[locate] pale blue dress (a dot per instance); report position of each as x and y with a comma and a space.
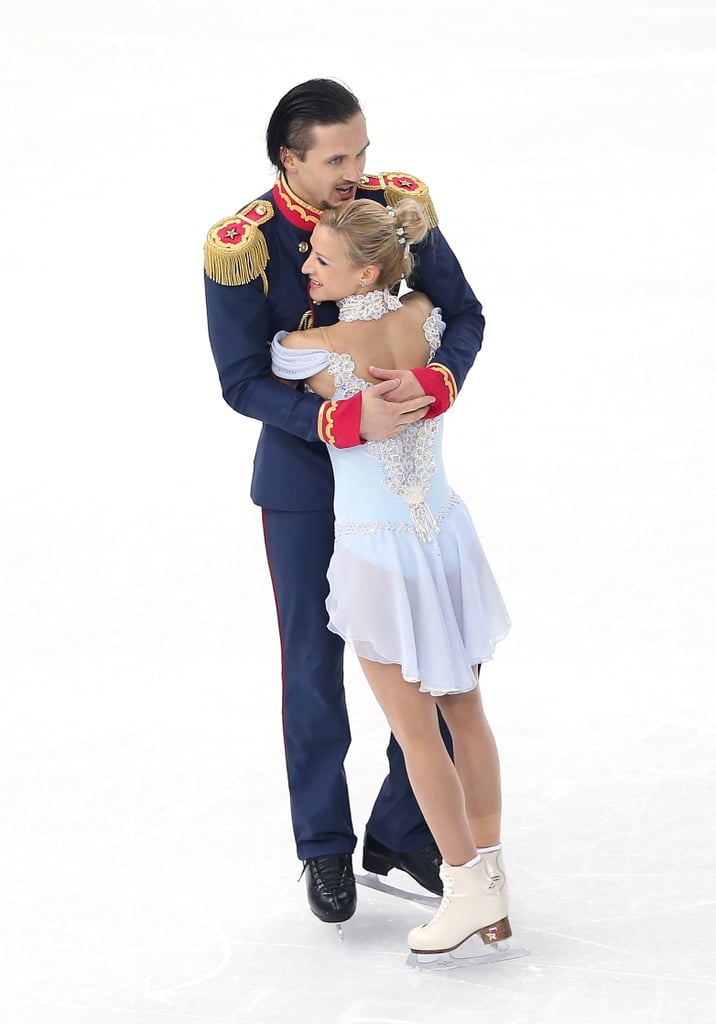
409, 582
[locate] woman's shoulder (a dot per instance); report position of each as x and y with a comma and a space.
303, 339
418, 301
292, 358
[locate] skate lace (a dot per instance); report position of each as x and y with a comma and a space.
495, 881
448, 892
330, 872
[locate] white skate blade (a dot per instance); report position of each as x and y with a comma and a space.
469, 954
371, 881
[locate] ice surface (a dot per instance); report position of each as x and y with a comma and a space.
147, 872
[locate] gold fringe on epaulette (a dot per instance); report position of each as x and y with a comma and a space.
306, 322
394, 195
225, 265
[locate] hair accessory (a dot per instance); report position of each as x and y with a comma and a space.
399, 231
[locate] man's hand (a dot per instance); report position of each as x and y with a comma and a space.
382, 415
408, 386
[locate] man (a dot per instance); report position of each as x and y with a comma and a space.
317, 140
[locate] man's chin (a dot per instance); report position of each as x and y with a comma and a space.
341, 199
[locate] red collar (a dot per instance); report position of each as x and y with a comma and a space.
296, 212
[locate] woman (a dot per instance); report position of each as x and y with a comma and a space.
410, 589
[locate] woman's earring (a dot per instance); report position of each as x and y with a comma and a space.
362, 284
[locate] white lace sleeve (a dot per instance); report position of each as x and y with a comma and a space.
296, 363
433, 329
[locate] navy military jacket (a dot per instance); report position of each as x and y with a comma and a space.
268, 293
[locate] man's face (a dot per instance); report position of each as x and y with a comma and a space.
333, 166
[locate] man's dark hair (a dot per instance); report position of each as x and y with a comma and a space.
318, 101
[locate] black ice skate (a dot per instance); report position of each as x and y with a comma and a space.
331, 887
422, 865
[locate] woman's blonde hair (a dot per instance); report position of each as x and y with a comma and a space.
377, 234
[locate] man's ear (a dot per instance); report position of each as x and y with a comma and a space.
288, 157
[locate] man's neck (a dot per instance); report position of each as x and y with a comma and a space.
299, 212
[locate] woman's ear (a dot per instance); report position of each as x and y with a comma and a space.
369, 275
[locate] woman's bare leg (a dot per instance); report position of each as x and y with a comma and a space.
477, 763
413, 719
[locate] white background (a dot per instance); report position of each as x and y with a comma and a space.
147, 870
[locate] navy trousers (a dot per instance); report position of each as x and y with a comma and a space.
315, 721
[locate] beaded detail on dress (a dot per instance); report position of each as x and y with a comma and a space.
408, 464
342, 369
379, 525
433, 330
367, 305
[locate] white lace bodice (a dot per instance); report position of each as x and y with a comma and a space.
408, 460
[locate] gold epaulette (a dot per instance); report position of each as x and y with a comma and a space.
235, 251
397, 186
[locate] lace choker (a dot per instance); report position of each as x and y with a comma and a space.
367, 305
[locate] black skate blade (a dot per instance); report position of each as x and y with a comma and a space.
477, 956
371, 881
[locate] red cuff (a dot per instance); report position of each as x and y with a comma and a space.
339, 422
437, 380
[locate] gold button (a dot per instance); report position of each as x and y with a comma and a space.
303, 246
261, 209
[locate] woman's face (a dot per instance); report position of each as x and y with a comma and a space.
331, 275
